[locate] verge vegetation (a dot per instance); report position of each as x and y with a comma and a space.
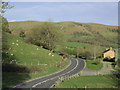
94, 65
100, 81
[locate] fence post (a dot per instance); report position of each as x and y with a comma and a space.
80, 72
38, 62
25, 63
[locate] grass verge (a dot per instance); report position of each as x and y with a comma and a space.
100, 81
93, 66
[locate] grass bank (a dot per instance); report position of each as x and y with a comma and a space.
100, 81
30, 56
93, 66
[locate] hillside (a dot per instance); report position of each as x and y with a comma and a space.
91, 33
34, 58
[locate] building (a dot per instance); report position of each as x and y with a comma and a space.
109, 53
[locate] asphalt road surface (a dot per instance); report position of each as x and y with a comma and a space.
46, 82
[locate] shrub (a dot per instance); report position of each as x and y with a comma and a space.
71, 51
63, 51
22, 34
114, 63
97, 61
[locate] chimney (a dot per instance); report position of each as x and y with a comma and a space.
106, 48
110, 48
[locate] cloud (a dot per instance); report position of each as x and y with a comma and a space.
12, 20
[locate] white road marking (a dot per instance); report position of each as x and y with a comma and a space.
42, 76
56, 76
82, 69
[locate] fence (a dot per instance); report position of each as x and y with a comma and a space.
63, 78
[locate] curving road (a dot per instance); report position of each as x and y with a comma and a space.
75, 66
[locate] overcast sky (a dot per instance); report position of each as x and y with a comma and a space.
93, 12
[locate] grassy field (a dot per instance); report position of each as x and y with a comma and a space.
30, 56
100, 81
91, 65
78, 44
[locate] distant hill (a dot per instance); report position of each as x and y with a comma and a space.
91, 33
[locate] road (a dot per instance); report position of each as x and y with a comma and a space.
75, 66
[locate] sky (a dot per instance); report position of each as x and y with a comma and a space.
84, 12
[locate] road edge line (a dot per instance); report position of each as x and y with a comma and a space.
56, 76
43, 76
78, 72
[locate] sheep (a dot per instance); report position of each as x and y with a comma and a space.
10, 48
52, 55
49, 53
13, 43
11, 54
17, 44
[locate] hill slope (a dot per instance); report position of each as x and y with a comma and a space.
33, 57
91, 33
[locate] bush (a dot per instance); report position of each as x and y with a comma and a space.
71, 51
22, 34
63, 51
86, 54
97, 61
114, 63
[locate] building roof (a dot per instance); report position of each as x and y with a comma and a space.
106, 51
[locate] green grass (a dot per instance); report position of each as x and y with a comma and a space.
76, 44
25, 54
100, 81
91, 65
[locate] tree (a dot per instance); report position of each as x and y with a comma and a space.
79, 50
63, 51
46, 35
5, 25
4, 29
5, 6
